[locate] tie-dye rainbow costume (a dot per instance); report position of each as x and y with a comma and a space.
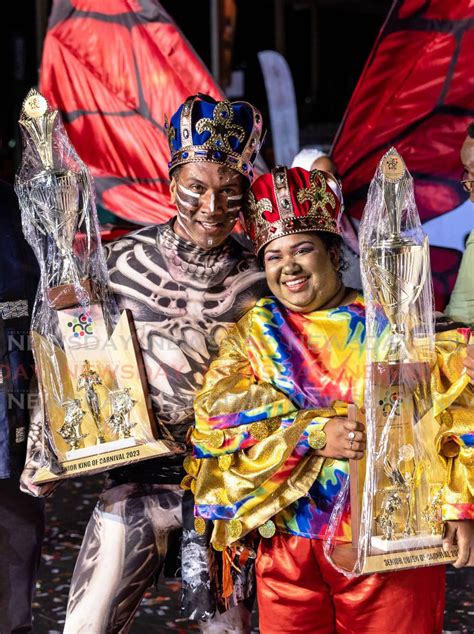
280, 376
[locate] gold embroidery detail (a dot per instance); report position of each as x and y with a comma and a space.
216, 438
318, 197
234, 529
267, 530
218, 547
317, 439
221, 127
200, 525
170, 133
191, 465
256, 211
186, 482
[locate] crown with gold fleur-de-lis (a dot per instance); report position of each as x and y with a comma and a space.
225, 132
292, 200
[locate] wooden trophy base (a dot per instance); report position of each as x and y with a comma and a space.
65, 295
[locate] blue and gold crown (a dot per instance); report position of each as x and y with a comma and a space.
222, 132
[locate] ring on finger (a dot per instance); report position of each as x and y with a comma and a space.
351, 436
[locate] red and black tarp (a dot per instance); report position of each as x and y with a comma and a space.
416, 93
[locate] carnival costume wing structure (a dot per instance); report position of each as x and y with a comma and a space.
415, 92
89, 369
275, 385
115, 71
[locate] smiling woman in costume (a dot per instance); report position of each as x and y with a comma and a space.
272, 437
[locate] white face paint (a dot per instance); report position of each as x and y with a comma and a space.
212, 203
190, 200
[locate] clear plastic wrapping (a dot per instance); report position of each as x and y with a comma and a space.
92, 384
395, 493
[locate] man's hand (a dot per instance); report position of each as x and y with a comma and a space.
460, 533
469, 362
36, 490
345, 439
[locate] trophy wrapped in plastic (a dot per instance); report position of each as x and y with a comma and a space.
90, 372
395, 493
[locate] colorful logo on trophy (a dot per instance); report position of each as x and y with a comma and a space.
82, 326
391, 403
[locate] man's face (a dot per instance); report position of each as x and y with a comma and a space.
208, 199
467, 159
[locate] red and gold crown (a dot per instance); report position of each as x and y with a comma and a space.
292, 200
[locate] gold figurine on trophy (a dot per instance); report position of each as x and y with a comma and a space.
71, 428
121, 404
88, 381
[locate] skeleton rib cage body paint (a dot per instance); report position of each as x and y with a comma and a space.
183, 299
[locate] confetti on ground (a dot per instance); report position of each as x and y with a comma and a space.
67, 514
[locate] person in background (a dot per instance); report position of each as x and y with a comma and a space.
461, 303
21, 516
326, 164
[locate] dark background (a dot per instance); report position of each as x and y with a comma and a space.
325, 42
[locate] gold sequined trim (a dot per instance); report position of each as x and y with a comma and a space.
234, 529
225, 462
317, 439
186, 482
259, 430
200, 525
191, 465
216, 438
268, 529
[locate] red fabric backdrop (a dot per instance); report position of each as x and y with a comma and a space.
114, 69
416, 93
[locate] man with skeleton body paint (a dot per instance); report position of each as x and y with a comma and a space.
186, 282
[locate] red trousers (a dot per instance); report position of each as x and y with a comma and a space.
299, 591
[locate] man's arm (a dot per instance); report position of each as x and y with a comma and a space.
35, 449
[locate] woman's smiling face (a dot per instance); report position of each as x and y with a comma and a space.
301, 271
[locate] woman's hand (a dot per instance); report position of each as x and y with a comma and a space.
345, 439
460, 533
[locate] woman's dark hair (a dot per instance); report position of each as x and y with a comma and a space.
331, 241
334, 242
470, 130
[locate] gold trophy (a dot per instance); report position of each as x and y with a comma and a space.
78, 351
397, 269
395, 513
